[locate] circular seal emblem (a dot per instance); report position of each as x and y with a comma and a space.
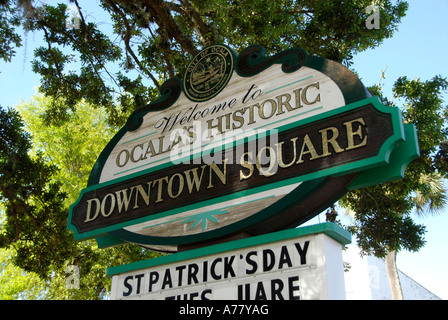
208, 73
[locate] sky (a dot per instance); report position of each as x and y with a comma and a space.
419, 49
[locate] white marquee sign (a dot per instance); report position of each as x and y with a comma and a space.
295, 264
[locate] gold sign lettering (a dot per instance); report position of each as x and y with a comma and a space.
223, 122
304, 149
155, 191
351, 134
266, 161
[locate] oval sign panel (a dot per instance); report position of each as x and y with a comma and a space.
243, 145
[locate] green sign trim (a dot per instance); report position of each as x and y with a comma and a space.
401, 156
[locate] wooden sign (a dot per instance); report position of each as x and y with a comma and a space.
243, 145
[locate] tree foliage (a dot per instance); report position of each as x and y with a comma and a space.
34, 219
34, 206
383, 221
17, 284
9, 20
73, 145
151, 41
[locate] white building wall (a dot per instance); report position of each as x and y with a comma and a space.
367, 280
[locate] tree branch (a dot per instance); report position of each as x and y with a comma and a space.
93, 53
166, 21
206, 34
127, 38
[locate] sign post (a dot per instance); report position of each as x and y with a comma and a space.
243, 146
